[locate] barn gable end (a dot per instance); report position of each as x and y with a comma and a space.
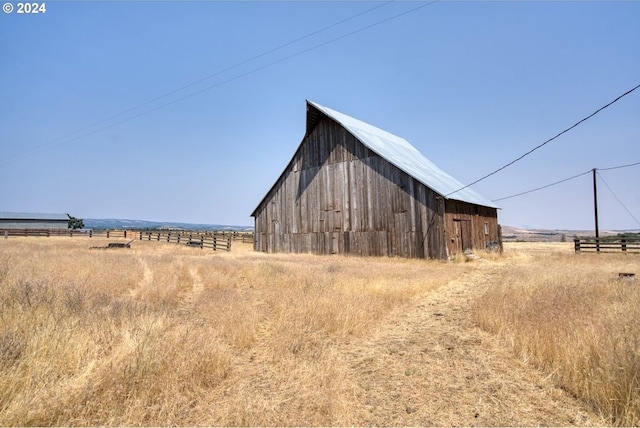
339, 195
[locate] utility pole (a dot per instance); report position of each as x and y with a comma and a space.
595, 209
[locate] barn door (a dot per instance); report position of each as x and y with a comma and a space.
464, 238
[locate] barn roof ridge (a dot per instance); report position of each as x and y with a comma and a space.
399, 152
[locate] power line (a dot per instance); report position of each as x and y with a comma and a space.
564, 180
618, 199
208, 77
250, 72
542, 187
618, 167
548, 141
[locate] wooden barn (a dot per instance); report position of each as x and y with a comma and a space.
353, 188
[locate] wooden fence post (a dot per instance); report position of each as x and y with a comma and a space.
576, 244
215, 242
624, 243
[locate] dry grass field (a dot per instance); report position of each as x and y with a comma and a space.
162, 334
571, 316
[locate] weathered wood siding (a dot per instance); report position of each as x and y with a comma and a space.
470, 226
336, 196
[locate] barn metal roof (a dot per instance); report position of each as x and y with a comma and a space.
400, 153
32, 216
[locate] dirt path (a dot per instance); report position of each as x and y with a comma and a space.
429, 365
145, 282
196, 290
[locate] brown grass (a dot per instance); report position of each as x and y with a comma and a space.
572, 317
166, 335
161, 334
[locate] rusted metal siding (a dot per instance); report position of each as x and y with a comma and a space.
337, 196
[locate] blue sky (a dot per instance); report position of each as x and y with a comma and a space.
472, 85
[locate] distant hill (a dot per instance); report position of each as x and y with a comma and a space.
510, 234
116, 223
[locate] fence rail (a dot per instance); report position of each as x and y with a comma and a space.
606, 246
216, 240
45, 232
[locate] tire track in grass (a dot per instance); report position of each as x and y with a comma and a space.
145, 282
192, 296
430, 365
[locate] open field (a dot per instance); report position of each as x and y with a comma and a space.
161, 334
